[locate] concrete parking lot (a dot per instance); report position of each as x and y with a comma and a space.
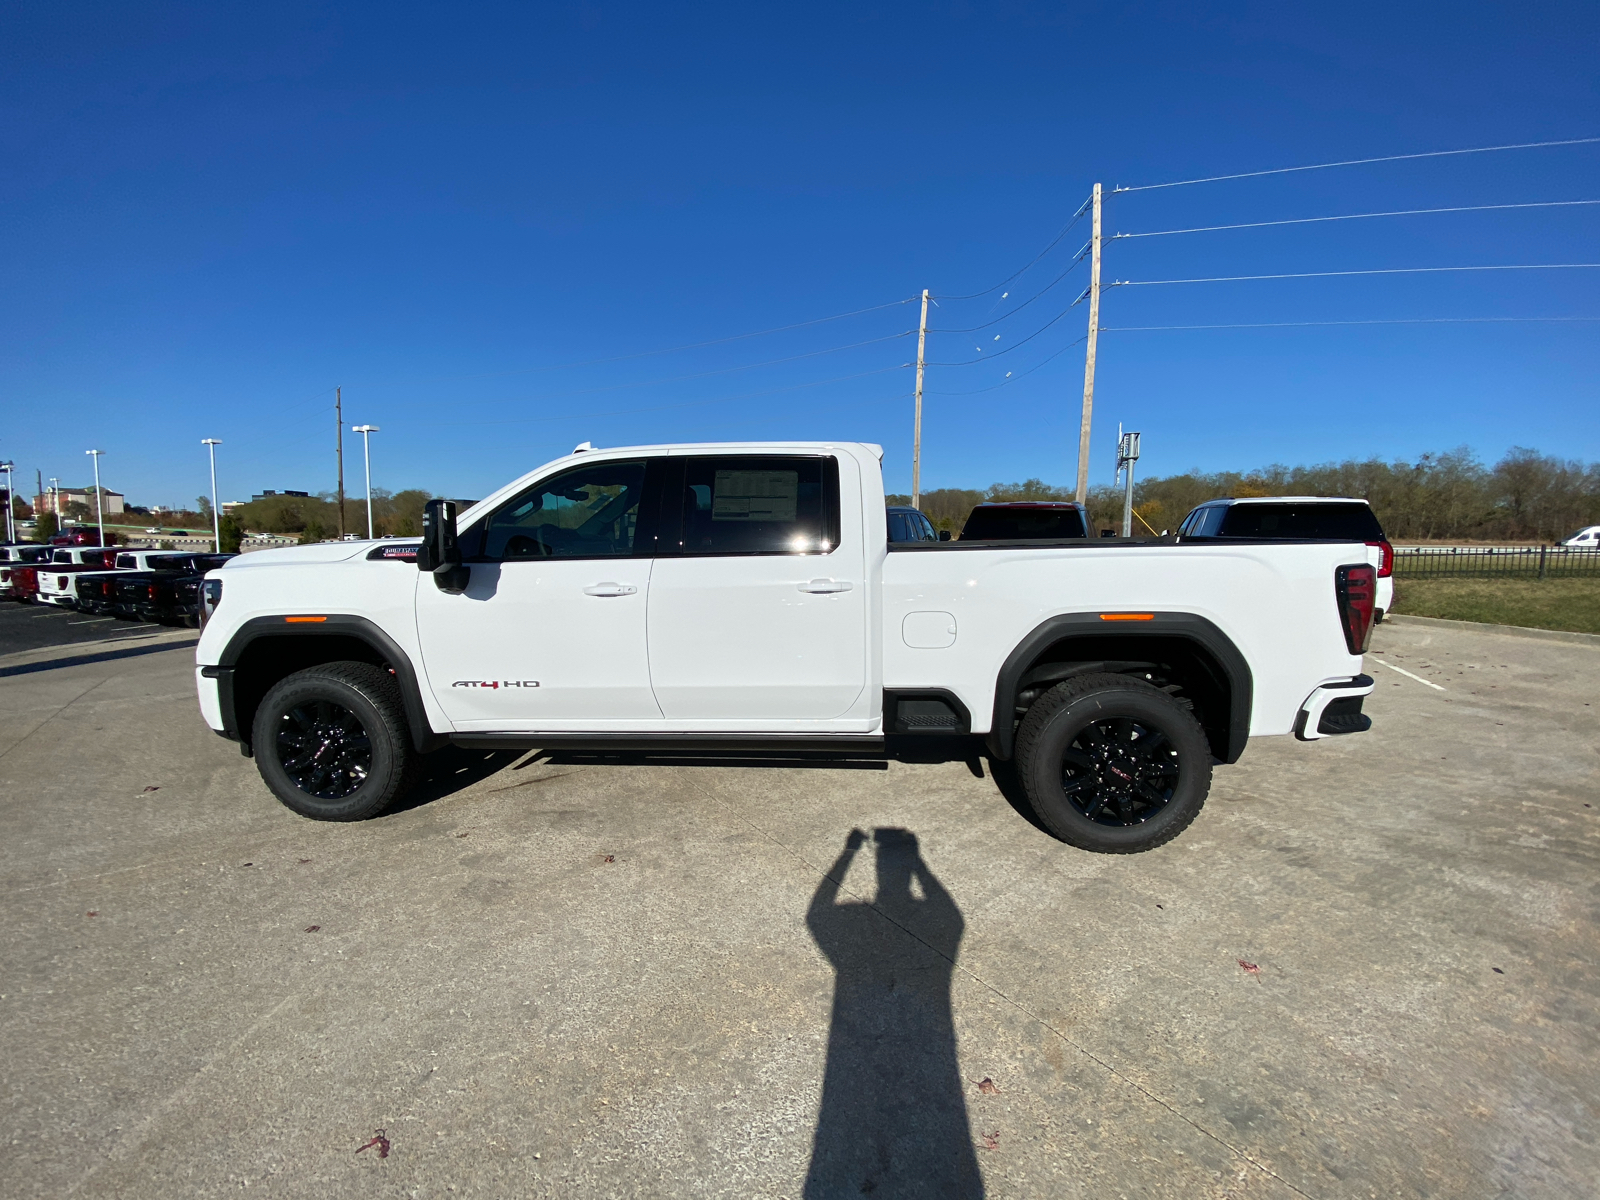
1368, 970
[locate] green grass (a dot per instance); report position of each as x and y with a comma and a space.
1570, 604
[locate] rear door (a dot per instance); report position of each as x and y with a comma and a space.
759, 598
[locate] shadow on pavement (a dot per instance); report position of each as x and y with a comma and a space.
78, 660
450, 770
894, 1113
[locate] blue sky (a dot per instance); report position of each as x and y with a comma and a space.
213, 215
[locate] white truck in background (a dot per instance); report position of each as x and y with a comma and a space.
746, 596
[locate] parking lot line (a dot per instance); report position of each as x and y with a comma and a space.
1409, 675
94, 621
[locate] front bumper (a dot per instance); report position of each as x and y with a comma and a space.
1333, 709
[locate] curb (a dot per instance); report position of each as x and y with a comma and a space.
1543, 635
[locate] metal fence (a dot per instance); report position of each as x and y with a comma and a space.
1497, 562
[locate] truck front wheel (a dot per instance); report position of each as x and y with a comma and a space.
331, 741
1113, 764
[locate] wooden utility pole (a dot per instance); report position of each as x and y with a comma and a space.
916, 436
338, 417
1088, 362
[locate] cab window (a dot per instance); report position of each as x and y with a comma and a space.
588, 512
760, 504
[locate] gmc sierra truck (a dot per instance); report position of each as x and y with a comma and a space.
746, 596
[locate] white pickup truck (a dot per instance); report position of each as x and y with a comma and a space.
746, 596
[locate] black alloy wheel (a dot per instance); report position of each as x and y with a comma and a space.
332, 742
1119, 771
324, 749
1113, 764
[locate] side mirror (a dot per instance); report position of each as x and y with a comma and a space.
944, 535
440, 552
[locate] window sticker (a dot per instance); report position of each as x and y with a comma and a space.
755, 496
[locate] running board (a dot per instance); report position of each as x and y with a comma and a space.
816, 743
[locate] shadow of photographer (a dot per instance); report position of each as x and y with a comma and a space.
894, 1115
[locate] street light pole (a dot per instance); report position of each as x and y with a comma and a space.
99, 500
216, 512
366, 432
11, 526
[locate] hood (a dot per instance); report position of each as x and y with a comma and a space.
320, 552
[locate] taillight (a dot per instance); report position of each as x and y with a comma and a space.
1356, 587
1386, 559
152, 591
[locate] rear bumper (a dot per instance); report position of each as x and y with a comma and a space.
1333, 709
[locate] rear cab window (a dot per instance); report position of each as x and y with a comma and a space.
1327, 522
755, 504
1039, 524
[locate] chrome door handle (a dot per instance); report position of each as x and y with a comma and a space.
610, 589
827, 585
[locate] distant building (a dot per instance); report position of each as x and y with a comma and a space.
229, 505
57, 501
264, 495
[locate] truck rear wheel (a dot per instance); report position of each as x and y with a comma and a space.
1113, 764
331, 741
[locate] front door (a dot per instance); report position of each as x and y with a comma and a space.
550, 632
757, 610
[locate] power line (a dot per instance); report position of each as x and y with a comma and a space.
1300, 324
1018, 308
592, 362
1405, 212
1357, 162
1020, 375
584, 416
1014, 345
1054, 242
1378, 271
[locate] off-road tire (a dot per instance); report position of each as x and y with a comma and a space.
1067, 711
371, 699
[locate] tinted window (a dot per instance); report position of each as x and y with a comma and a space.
167, 562
1338, 522
590, 512
63, 556
928, 532
1038, 524
760, 505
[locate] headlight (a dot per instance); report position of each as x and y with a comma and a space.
210, 597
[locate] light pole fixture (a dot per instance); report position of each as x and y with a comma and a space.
216, 512
99, 500
366, 432
11, 525
55, 500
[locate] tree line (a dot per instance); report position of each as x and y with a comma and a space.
316, 518
1525, 496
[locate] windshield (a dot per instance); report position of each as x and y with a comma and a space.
1331, 522
1037, 524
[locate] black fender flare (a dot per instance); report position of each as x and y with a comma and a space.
345, 625
1184, 626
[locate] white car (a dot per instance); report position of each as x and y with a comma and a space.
1336, 518
1587, 537
745, 596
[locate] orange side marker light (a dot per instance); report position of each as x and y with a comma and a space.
302, 620
1127, 616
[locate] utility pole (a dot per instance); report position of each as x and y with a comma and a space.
916, 437
1088, 362
338, 423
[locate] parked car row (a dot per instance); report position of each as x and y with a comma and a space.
1255, 518
145, 585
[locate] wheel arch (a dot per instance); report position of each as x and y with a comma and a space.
264, 650
1217, 677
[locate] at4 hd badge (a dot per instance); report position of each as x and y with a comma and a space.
496, 683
